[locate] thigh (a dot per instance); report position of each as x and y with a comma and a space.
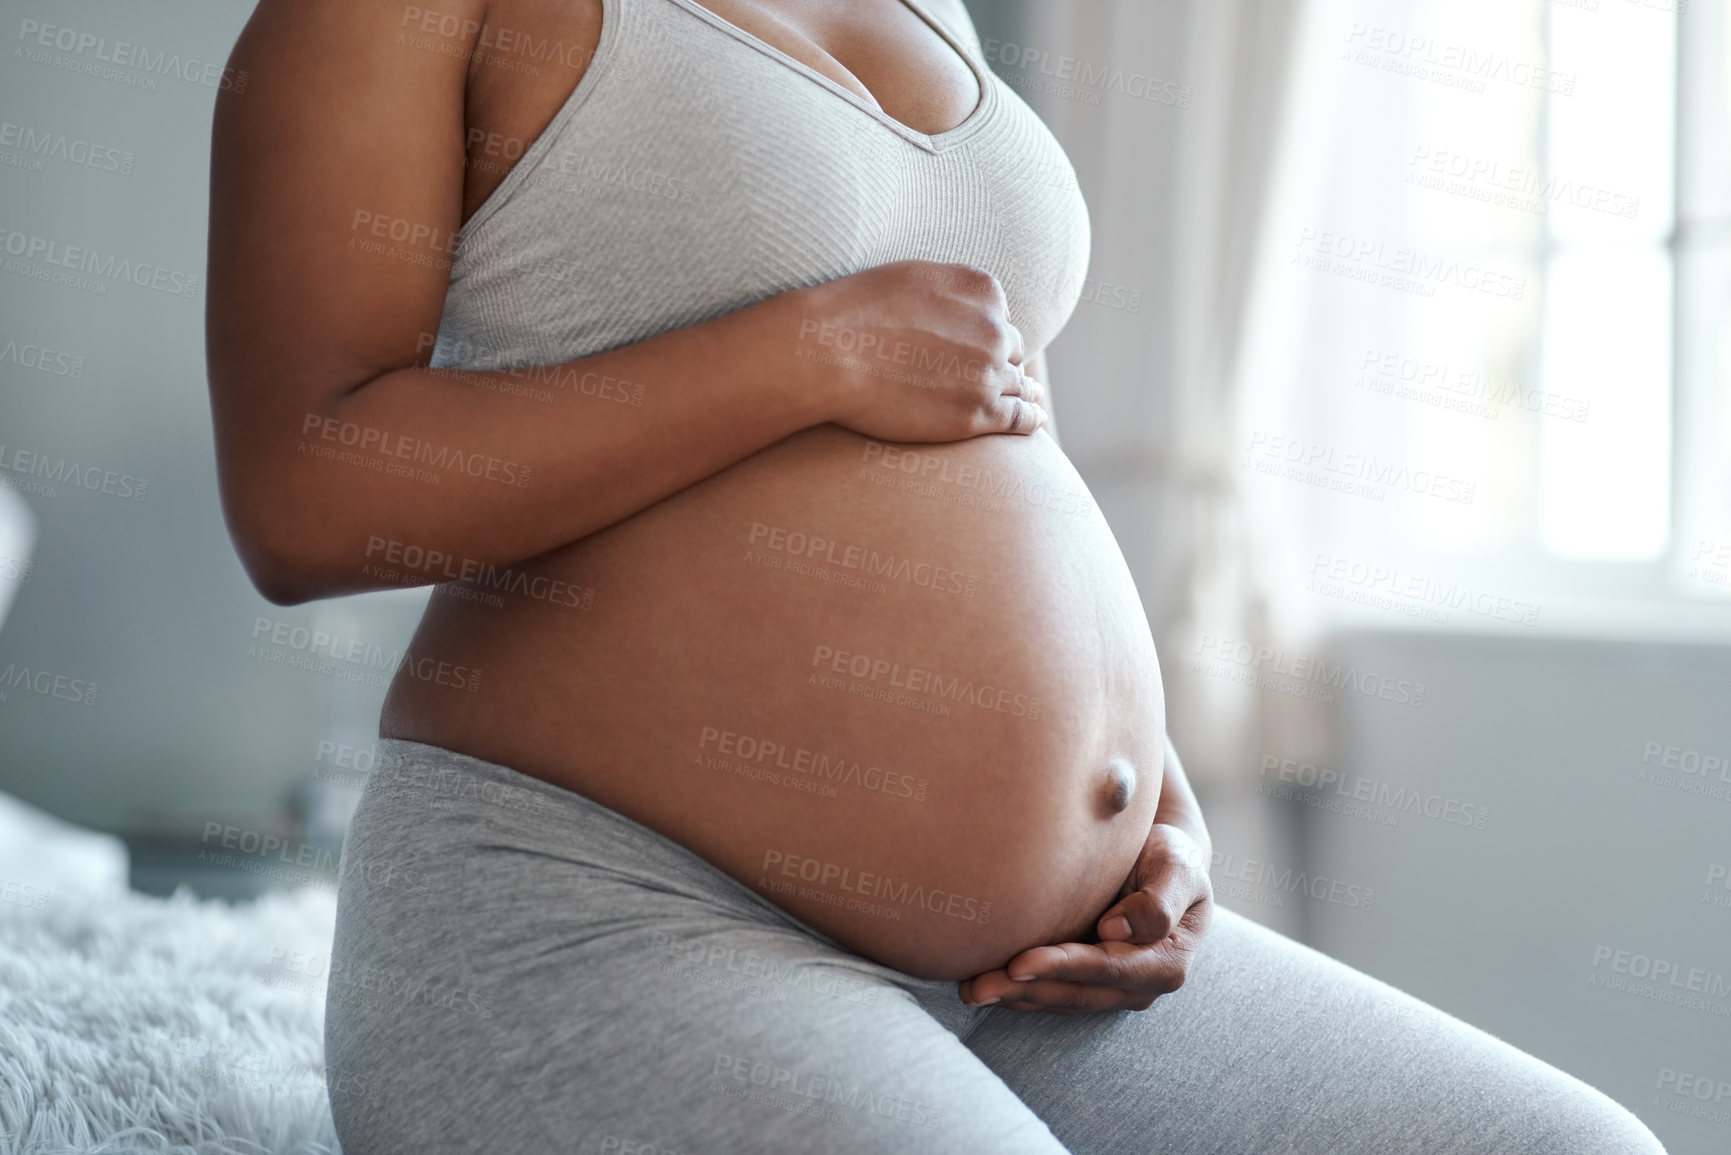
599, 1010
1273, 1047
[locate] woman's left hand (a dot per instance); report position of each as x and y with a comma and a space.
1147, 941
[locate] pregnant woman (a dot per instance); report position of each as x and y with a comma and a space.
783, 742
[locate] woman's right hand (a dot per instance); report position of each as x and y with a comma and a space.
918, 351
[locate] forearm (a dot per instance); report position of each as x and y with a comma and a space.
1178, 806
457, 471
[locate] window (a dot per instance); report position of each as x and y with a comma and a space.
1488, 380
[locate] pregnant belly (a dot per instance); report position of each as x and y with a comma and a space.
907, 693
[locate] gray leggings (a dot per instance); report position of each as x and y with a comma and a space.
520, 969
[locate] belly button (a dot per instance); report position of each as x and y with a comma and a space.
1120, 784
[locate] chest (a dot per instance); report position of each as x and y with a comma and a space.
696, 169
531, 55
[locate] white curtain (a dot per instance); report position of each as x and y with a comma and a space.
1146, 398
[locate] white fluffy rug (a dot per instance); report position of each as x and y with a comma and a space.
132, 1024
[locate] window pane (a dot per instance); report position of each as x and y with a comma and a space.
1604, 482
1610, 163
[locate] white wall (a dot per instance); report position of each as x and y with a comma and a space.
1502, 926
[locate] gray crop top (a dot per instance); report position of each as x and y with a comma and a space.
696, 169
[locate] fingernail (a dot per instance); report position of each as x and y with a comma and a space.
987, 1001
1118, 928
1024, 976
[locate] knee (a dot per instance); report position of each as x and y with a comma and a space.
1583, 1122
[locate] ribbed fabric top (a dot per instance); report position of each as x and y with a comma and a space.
696, 169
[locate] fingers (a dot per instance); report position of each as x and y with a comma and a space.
1077, 961
1145, 917
1012, 414
1077, 978
1027, 388
997, 989
1082, 977
1169, 883
1018, 408
1058, 997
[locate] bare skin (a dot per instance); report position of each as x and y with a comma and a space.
694, 671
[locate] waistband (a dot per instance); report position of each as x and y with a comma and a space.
427, 779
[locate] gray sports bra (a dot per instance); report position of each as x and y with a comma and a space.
696, 169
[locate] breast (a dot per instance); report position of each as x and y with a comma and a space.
895, 689
697, 175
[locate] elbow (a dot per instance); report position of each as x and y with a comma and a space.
280, 577
277, 553
279, 587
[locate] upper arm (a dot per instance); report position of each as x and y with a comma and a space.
336, 186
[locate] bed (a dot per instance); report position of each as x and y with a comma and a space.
130, 1023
